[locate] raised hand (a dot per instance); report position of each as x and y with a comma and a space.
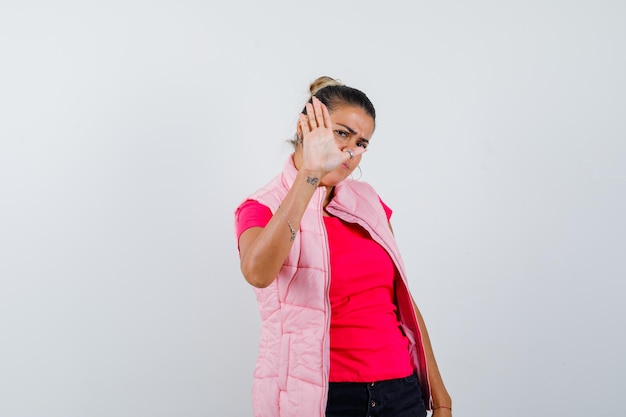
321, 154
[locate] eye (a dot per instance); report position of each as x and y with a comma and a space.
341, 133
362, 144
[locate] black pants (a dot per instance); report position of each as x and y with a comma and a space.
400, 397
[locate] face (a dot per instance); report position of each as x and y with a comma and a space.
353, 128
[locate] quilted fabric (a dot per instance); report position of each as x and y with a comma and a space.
291, 374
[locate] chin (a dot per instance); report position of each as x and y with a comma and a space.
332, 179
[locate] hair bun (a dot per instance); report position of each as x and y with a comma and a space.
323, 82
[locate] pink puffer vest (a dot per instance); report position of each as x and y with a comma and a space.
291, 375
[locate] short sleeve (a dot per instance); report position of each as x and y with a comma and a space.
251, 214
388, 211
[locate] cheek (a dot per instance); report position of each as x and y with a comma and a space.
354, 164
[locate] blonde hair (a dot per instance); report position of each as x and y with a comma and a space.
323, 82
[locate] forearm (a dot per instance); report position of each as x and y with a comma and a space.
439, 393
263, 250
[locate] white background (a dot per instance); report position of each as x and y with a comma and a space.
130, 131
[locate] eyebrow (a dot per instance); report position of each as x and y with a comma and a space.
352, 132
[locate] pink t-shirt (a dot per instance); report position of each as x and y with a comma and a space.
366, 343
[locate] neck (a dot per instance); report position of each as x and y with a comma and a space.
330, 192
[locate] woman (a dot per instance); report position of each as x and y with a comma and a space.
340, 333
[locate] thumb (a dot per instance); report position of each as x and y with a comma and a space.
351, 153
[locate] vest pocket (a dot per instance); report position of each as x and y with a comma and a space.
283, 370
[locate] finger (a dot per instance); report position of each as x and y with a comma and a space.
352, 153
310, 112
304, 124
325, 113
358, 151
319, 116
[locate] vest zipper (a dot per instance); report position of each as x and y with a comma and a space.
325, 340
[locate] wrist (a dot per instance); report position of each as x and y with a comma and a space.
311, 177
442, 405
443, 402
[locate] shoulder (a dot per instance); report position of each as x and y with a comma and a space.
249, 214
361, 188
388, 210
270, 195
366, 193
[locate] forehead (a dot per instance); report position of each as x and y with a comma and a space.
355, 118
